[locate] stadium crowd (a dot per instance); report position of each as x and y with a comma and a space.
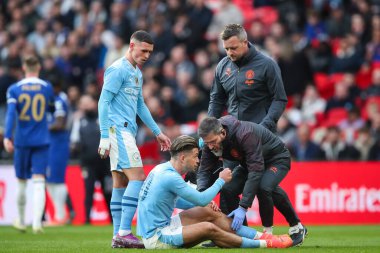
328, 52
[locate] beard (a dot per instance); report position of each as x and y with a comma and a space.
218, 152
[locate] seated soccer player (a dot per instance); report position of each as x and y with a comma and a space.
164, 189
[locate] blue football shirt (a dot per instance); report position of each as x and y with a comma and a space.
28, 103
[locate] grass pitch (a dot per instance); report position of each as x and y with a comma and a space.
97, 239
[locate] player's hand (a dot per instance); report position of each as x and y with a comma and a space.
214, 206
239, 216
164, 141
104, 148
226, 175
8, 145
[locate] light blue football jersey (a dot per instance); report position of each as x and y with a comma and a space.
161, 192
125, 82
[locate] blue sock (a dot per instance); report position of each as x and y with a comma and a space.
129, 204
249, 243
115, 206
247, 232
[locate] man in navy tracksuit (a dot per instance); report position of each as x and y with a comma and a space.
249, 84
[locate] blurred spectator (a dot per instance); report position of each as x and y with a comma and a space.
286, 130
12, 74
338, 22
196, 101
336, 149
351, 125
374, 88
37, 37
303, 148
228, 13
200, 17
320, 57
340, 99
295, 69
118, 23
374, 152
85, 139
256, 33
347, 58
312, 105
97, 13
116, 52
364, 143
315, 28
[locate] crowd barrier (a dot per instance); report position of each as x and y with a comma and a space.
321, 192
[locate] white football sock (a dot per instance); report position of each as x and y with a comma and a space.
124, 232
21, 201
61, 202
58, 193
263, 244
38, 201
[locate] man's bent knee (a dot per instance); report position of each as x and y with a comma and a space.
135, 174
209, 229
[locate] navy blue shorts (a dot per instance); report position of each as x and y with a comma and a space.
31, 160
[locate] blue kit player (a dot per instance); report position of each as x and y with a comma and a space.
120, 102
59, 153
28, 101
164, 189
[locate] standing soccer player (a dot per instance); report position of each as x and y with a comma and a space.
59, 152
29, 100
120, 101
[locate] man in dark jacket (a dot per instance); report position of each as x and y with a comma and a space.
250, 85
264, 162
247, 81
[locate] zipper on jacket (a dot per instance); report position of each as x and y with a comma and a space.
236, 92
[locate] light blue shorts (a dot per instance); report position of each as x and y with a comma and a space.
124, 153
169, 237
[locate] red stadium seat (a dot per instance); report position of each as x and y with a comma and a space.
323, 84
364, 77
335, 116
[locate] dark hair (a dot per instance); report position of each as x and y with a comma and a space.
182, 143
231, 30
142, 36
209, 125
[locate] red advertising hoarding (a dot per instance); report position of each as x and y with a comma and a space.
321, 192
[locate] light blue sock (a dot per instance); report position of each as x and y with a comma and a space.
129, 204
115, 206
247, 232
249, 243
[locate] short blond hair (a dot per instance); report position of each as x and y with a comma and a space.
31, 63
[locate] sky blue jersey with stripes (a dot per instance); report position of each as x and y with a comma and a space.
121, 99
29, 100
163, 190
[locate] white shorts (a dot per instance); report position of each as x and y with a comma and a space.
169, 237
124, 153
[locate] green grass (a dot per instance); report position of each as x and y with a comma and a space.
97, 239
